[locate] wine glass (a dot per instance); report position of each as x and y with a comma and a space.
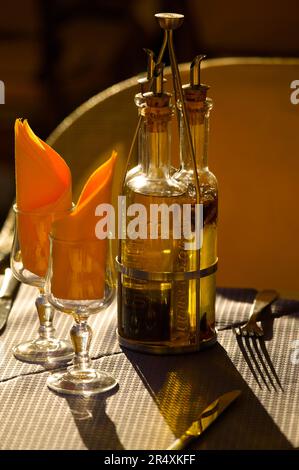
29, 262
79, 282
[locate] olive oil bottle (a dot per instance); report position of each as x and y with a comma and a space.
198, 108
157, 304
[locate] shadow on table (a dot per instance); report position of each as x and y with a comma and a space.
285, 307
256, 355
257, 358
233, 306
94, 425
254, 350
231, 316
182, 386
237, 293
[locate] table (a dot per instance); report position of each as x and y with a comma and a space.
158, 397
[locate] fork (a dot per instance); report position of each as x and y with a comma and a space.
261, 301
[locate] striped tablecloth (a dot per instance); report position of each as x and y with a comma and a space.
158, 397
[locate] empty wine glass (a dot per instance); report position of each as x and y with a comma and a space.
79, 282
29, 262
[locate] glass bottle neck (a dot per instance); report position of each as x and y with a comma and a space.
154, 155
199, 128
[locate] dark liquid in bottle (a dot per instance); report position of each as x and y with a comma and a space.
145, 315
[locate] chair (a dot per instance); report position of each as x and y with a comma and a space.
253, 152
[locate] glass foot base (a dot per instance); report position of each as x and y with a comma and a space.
42, 351
86, 383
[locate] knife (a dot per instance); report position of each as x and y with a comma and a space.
207, 417
7, 294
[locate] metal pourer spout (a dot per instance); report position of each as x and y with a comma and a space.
145, 82
195, 90
158, 79
151, 63
195, 70
157, 98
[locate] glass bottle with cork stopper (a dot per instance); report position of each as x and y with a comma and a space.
156, 302
198, 107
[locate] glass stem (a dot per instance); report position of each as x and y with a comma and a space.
81, 335
45, 313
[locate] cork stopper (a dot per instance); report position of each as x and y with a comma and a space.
195, 93
158, 111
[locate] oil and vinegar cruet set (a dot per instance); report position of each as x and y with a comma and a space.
167, 280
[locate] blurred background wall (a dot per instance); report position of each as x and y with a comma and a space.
56, 54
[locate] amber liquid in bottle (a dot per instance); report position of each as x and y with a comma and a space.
150, 309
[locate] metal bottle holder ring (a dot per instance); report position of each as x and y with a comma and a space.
165, 276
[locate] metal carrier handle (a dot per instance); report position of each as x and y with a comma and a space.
165, 276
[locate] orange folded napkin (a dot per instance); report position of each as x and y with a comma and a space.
43, 192
79, 258
43, 179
